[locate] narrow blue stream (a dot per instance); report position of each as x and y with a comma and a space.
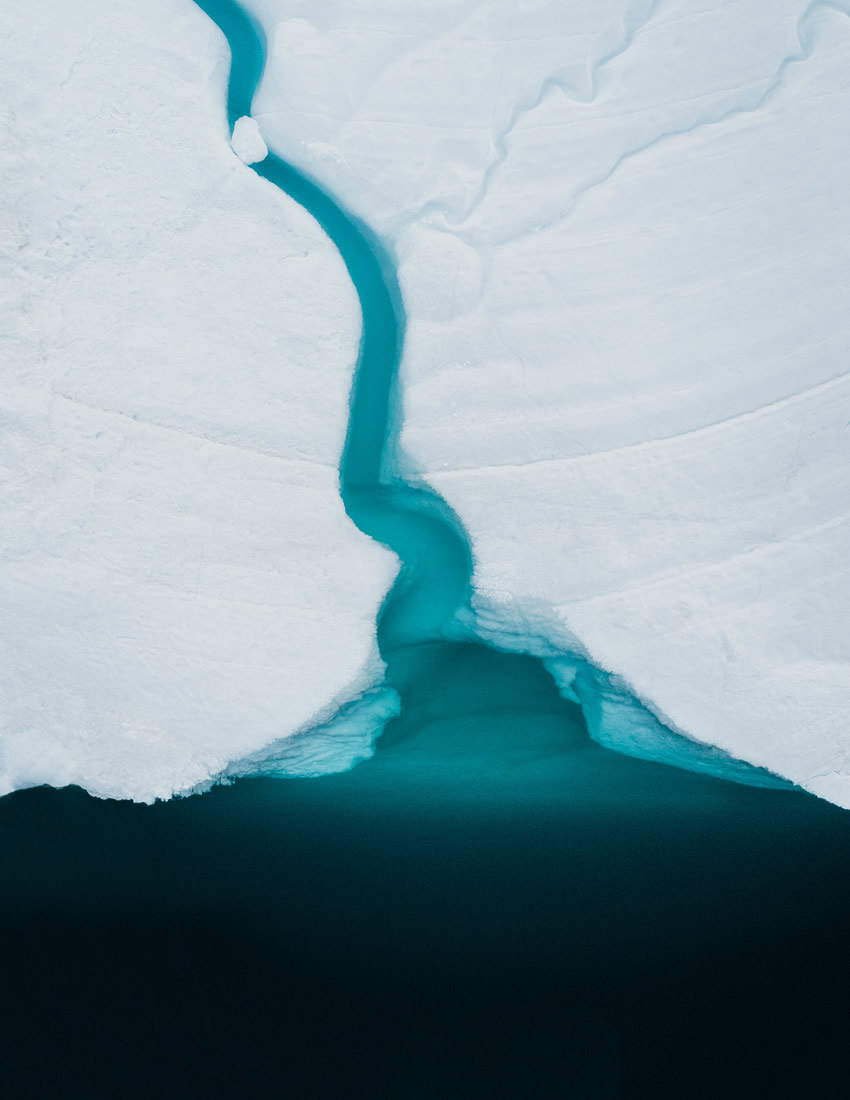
412, 521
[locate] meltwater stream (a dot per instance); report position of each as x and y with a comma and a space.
491, 906
413, 521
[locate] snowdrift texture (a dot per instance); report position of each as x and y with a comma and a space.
624, 244
180, 584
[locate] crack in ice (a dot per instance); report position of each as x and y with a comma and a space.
648, 444
156, 425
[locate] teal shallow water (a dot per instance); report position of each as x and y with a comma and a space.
491, 906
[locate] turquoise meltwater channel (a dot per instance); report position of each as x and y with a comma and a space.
492, 906
412, 521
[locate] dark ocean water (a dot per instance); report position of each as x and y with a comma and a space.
492, 906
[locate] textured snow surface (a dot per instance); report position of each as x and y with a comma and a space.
624, 244
247, 141
180, 584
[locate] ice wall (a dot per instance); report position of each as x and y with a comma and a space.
624, 245
180, 587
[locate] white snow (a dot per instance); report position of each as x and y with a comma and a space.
624, 246
247, 141
180, 585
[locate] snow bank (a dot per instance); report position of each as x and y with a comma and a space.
624, 245
180, 584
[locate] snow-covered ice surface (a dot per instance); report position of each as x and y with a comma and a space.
180, 584
624, 244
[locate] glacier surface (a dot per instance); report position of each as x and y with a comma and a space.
624, 246
622, 243
181, 587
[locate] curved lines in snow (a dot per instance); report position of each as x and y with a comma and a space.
635, 18
754, 554
155, 425
646, 444
804, 51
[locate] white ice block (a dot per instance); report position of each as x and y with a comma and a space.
247, 141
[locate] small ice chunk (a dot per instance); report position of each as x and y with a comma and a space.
247, 141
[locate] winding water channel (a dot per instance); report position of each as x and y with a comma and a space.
413, 521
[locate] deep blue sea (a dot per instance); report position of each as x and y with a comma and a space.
492, 906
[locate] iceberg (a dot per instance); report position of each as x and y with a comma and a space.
618, 437
181, 586
624, 252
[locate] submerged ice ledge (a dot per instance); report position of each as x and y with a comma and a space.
615, 717
323, 748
